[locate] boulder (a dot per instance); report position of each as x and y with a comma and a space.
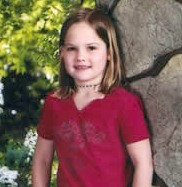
151, 38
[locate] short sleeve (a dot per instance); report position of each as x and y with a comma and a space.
45, 124
132, 122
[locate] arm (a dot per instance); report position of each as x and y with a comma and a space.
140, 154
42, 162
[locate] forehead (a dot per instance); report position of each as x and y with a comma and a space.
81, 31
80, 26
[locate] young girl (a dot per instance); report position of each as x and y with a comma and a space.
96, 127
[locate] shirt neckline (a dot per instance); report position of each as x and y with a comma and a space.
86, 107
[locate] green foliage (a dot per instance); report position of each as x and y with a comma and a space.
2, 158
23, 96
17, 158
54, 172
29, 33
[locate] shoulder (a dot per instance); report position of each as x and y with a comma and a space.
126, 99
52, 97
124, 94
52, 103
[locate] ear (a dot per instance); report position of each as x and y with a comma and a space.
61, 51
108, 55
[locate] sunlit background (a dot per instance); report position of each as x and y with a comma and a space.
29, 36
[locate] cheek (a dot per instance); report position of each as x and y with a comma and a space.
103, 59
67, 66
64, 63
66, 60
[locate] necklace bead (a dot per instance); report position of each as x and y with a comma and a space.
88, 85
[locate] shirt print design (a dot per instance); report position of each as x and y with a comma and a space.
81, 134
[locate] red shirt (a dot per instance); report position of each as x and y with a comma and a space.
91, 143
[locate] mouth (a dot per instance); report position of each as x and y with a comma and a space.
82, 67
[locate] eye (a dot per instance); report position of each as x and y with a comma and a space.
92, 48
70, 48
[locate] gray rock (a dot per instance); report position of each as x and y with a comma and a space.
163, 101
148, 30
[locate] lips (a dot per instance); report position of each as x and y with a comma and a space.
82, 67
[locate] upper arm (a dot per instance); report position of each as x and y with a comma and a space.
44, 150
140, 152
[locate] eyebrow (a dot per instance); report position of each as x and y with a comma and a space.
93, 43
66, 44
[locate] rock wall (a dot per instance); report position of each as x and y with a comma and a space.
163, 101
151, 37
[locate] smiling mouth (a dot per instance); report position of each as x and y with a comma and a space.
82, 67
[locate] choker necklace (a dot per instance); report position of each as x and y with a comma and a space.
88, 85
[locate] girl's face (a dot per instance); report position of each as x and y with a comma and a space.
84, 54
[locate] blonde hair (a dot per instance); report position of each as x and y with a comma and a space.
102, 24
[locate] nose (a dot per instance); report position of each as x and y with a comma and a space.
81, 55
